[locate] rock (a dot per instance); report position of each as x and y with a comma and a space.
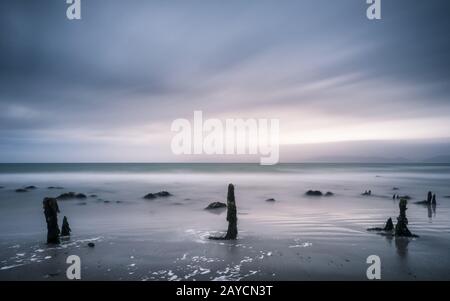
55, 187
395, 188
401, 229
93, 196
91, 245
424, 202
270, 200
1, 187
389, 227
216, 205
152, 196
232, 231
329, 193
21, 190
447, 196
51, 211
71, 195
314, 193
65, 228
106, 202
30, 187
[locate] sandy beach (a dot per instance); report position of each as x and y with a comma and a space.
294, 237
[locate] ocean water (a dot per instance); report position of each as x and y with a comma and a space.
297, 237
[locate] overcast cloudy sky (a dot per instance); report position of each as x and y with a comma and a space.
107, 87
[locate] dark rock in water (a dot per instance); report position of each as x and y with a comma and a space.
447, 196
21, 190
367, 193
429, 197
270, 200
329, 193
216, 205
91, 245
65, 228
395, 188
232, 231
401, 229
118, 202
152, 196
106, 202
424, 202
51, 211
82, 203
1, 187
93, 196
30, 187
71, 195
55, 187
389, 227
314, 193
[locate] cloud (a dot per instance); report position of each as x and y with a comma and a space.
126, 70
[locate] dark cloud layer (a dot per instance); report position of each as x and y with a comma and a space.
134, 66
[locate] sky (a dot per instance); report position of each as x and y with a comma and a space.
106, 88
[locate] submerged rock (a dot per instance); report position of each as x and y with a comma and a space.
71, 195
30, 187
51, 211
395, 188
216, 205
65, 228
232, 231
21, 190
152, 196
270, 200
55, 187
91, 245
329, 193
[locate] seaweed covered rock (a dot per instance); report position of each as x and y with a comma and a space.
51, 211
152, 196
216, 205
65, 228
